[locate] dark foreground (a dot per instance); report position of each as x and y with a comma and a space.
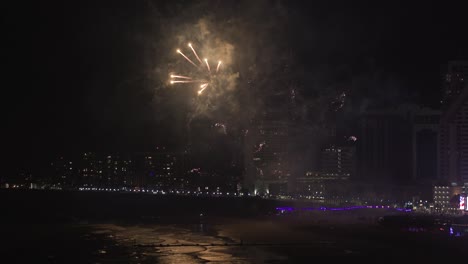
60, 227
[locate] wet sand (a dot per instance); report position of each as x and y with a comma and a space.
98, 228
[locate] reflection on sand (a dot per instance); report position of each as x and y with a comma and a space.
182, 244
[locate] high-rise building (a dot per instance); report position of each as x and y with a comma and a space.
268, 169
453, 140
159, 169
101, 170
338, 162
90, 169
448, 199
273, 157
384, 146
399, 144
63, 172
311, 185
454, 81
163, 170
424, 144
117, 170
276, 153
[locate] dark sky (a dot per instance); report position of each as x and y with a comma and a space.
77, 71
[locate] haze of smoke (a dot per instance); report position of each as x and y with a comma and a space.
250, 38
239, 40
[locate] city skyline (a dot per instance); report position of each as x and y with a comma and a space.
95, 81
234, 131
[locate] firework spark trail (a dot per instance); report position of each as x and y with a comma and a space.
339, 101
186, 79
223, 126
181, 77
203, 87
260, 146
180, 52
207, 65
194, 52
260, 171
178, 81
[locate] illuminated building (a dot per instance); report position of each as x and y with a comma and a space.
280, 141
63, 172
117, 170
268, 151
275, 154
163, 169
99, 170
462, 205
338, 162
279, 137
311, 186
441, 198
159, 169
447, 198
90, 169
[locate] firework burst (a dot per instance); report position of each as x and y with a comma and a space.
202, 73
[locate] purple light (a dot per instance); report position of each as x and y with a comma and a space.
284, 208
287, 208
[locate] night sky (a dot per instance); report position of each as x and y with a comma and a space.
87, 76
